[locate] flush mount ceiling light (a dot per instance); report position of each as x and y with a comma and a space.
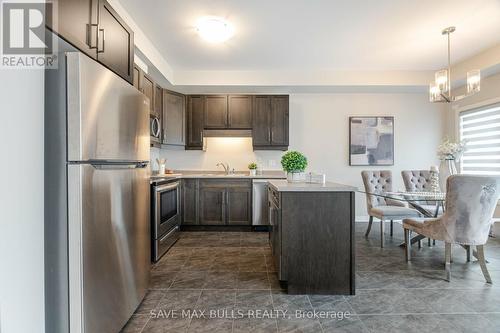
440, 89
214, 29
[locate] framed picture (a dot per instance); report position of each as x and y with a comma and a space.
371, 140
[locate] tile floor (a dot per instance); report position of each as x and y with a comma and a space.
232, 273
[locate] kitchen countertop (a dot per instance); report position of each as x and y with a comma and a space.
215, 174
285, 186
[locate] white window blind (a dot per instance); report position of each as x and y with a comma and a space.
481, 129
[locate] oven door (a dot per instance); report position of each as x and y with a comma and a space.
167, 210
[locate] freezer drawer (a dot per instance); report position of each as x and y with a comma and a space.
109, 244
108, 119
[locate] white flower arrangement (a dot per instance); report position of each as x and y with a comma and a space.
448, 150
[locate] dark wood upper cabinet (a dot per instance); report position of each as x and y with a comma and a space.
115, 42
267, 116
96, 29
270, 122
76, 22
174, 118
195, 122
240, 111
137, 78
216, 111
261, 121
279, 121
148, 89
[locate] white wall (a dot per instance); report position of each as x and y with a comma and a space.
319, 128
21, 201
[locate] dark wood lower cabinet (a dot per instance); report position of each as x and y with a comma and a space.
216, 202
312, 241
212, 206
189, 202
239, 205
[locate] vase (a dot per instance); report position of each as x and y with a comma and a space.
295, 176
446, 169
253, 172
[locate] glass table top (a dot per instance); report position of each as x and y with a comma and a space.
409, 196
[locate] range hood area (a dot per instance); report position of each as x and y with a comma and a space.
227, 133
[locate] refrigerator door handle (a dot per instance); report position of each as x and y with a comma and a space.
119, 166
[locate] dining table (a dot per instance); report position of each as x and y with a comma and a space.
427, 203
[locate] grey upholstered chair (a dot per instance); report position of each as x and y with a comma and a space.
420, 181
470, 203
380, 207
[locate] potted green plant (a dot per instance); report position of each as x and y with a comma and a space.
253, 168
294, 163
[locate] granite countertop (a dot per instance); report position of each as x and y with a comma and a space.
284, 186
217, 174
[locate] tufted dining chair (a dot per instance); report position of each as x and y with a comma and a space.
420, 181
470, 204
378, 182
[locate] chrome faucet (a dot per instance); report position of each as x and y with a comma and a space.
226, 167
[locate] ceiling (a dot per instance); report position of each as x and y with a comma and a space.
304, 35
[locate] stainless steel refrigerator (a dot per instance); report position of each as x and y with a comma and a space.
97, 197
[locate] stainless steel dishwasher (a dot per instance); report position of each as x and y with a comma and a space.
260, 216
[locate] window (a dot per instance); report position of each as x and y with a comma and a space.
481, 129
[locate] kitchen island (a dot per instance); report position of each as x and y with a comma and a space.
312, 236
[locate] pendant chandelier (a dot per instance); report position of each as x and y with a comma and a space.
440, 89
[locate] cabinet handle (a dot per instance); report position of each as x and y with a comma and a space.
90, 33
269, 135
101, 31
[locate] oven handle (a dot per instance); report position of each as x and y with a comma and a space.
167, 187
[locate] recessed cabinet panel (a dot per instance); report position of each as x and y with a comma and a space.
216, 111
240, 111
